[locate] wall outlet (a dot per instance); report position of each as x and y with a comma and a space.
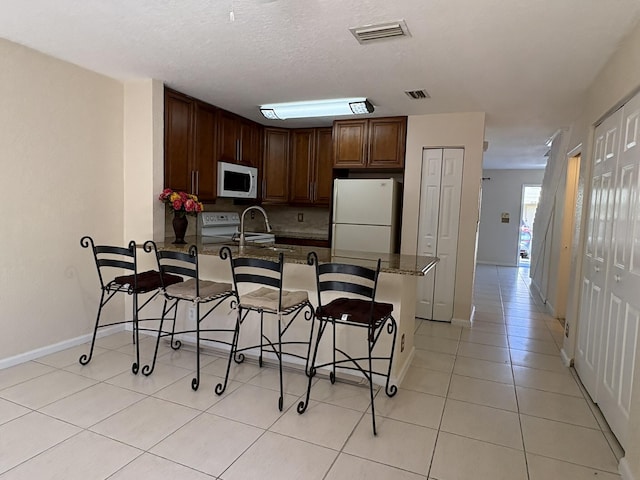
301, 217
253, 214
191, 314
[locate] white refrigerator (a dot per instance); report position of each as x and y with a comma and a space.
365, 215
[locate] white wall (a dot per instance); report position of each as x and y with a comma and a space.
498, 243
618, 80
464, 130
61, 132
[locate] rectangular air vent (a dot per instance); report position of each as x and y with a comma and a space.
381, 31
417, 94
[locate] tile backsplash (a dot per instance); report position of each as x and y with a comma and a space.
283, 219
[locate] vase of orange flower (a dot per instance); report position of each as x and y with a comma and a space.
182, 204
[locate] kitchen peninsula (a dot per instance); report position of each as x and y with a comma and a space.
396, 285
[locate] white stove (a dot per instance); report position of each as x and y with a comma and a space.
223, 227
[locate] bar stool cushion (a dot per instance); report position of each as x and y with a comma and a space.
147, 281
208, 289
357, 310
267, 299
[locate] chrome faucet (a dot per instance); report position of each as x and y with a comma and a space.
266, 222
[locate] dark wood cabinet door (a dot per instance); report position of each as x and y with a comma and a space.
178, 130
250, 143
350, 141
275, 171
228, 127
323, 166
302, 166
205, 164
387, 138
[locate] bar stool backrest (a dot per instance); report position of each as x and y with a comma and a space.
184, 264
107, 257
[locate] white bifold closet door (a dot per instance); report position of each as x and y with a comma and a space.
441, 187
610, 299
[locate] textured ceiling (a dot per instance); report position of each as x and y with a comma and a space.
526, 63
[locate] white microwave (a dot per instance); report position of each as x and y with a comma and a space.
237, 181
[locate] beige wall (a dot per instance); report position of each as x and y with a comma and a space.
62, 169
618, 80
464, 130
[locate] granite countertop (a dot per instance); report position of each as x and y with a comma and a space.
303, 235
390, 262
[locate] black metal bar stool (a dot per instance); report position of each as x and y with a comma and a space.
198, 292
358, 310
108, 258
259, 286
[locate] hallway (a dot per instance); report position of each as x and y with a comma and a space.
488, 403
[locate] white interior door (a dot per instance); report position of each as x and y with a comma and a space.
595, 261
438, 230
622, 306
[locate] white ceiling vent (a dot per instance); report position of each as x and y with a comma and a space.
381, 31
417, 94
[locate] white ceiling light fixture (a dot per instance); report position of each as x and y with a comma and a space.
317, 108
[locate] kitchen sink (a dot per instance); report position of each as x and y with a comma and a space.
278, 248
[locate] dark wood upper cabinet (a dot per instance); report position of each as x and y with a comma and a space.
205, 166
275, 166
178, 143
387, 140
311, 166
376, 143
239, 139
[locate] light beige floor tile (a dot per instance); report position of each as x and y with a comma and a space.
532, 345
525, 322
29, 435
442, 362
303, 460
292, 382
479, 422
186, 358
426, 380
495, 320
103, 366
201, 399
48, 388
483, 392
241, 372
86, 455
92, 404
543, 468
464, 458
114, 341
544, 380
489, 327
355, 397
145, 423
473, 335
21, 373
570, 443
435, 344
322, 424
411, 407
397, 444
484, 352
252, 405
149, 466
163, 376
553, 363
472, 367
530, 332
10, 410
554, 406
220, 442
354, 468
69, 356
439, 329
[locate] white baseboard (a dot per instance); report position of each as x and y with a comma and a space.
625, 470
566, 360
56, 347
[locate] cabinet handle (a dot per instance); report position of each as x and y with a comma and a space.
238, 152
192, 177
617, 277
197, 182
596, 268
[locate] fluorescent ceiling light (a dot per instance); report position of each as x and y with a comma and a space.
317, 108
